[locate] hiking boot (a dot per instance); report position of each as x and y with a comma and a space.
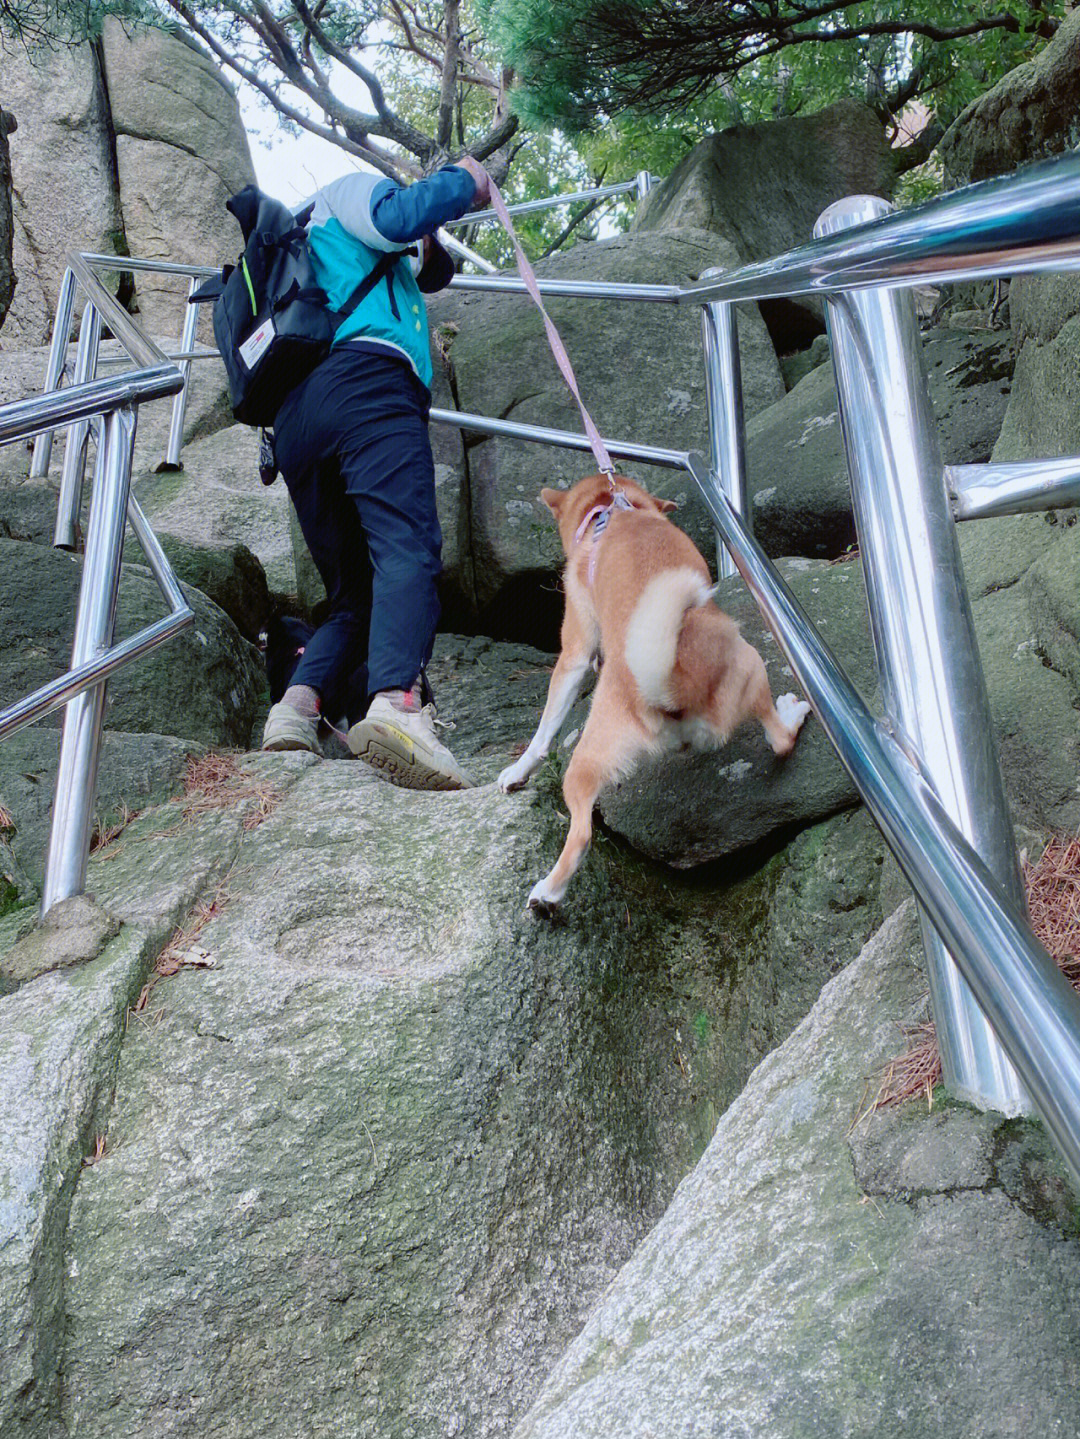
402, 743
288, 729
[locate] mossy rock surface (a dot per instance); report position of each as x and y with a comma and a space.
827, 1272
370, 1169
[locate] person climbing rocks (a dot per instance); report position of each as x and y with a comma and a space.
351, 442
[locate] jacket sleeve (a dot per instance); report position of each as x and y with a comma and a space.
402, 214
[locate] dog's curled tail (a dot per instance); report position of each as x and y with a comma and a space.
652, 636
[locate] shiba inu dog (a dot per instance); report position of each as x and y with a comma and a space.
674, 670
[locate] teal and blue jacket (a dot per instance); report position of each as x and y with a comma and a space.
360, 217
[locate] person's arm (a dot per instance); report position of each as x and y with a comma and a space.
402, 214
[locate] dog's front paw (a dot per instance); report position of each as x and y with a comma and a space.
515, 775
543, 901
792, 711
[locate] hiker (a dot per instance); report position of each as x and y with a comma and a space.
351, 442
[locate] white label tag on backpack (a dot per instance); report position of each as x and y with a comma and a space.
257, 344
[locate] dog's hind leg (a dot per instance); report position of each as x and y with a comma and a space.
783, 720
608, 746
570, 670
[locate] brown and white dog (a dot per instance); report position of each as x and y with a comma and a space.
675, 669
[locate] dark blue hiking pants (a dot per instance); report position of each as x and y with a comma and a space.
352, 445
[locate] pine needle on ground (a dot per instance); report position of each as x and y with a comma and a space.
216, 781
1053, 894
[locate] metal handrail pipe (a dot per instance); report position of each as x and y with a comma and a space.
572, 289
551, 202
57, 692
54, 370
1012, 488
200, 352
40, 413
156, 267
1031, 1007
139, 346
463, 251
561, 439
95, 620
179, 408
69, 502
1021, 223
927, 654
724, 408
156, 558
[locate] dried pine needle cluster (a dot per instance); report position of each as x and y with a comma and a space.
216, 781
1053, 893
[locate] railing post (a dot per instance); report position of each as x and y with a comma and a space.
54, 370
928, 660
644, 183
179, 408
723, 403
76, 782
71, 477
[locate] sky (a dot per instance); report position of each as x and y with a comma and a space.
292, 167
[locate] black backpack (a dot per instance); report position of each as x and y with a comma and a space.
272, 322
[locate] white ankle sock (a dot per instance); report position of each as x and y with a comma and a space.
303, 699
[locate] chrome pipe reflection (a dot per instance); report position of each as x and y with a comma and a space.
1015, 225
1012, 488
43, 413
179, 407
54, 370
464, 252
924, 637
572, 289
1031, 1005
69, 504
76, 783
723, 404
561, 439
551, 202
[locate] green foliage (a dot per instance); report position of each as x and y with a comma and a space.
60, 21
690, 62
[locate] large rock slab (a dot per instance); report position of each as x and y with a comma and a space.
203, 685
60, 1037
22, 375
135, 771
1032, 113
64, 192
181, 151
640, 370
218, 500
797, 468
762, 187
371, 1167
1043, 418
812, 1278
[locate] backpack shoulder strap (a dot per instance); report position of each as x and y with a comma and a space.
379, 272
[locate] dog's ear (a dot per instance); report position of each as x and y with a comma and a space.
554, 499
665, 506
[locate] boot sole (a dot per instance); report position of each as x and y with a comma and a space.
380, 751
285, 742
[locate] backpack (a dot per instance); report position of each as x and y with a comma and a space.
272, 321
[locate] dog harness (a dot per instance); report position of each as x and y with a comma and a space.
602, 515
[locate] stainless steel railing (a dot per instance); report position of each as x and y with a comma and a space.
94, 655
1009, 1024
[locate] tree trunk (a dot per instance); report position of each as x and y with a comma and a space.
7, 225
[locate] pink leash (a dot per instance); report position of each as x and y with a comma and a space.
562, 359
